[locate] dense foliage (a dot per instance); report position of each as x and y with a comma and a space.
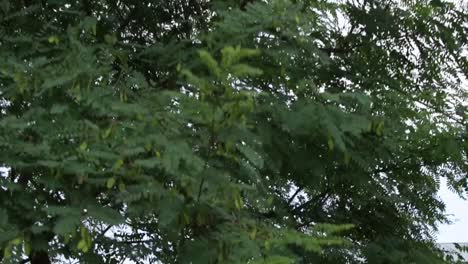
229, 131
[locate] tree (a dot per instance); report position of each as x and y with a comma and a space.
229, 131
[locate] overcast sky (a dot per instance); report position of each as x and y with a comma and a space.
457, 208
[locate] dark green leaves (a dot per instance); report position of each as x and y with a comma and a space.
229, 131
107, 215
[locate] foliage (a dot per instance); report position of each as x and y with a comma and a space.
229, 131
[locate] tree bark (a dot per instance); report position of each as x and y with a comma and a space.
39, 257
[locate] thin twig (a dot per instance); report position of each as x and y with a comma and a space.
105, 230
211, 145
294, 195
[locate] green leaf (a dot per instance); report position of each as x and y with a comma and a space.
3, 218
242, 70
171, 208
251, 155
148, 163
210, 62
58, 109
54, 40
106, 214
110, 183
8, 235
66, 225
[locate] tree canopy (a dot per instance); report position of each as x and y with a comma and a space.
229, 131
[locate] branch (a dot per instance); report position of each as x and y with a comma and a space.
87, 7
24, 261
391, 166
211, 145
128, 19
342, 50
294, 195
200, 187
433, 108
138, 241
105, 230
319, 198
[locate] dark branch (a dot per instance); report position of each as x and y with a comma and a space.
294, 195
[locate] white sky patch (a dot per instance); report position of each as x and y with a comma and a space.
457, 210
